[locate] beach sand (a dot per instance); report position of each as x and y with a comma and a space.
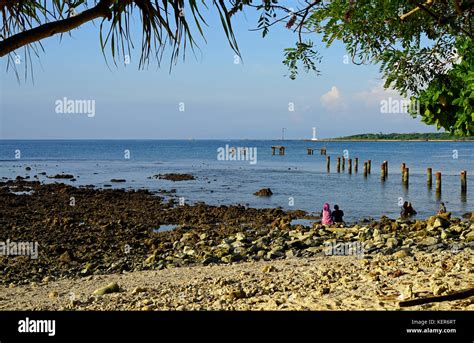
320, 283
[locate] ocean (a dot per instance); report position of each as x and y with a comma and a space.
297, 180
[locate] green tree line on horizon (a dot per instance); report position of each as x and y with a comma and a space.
425, 50
405, 136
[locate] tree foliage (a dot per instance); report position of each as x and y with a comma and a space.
164, 23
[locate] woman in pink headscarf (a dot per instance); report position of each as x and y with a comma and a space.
326, 215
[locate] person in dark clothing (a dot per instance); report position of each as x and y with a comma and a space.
407, 210
411, 210
337, 215
442, 208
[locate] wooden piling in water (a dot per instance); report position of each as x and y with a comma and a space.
338, 166
281, 149
463, 181
429, 177
402, 168
310, 151
328, 164
386, 167
406, 176
438, 182
343, 164
383, 171
356, 165
349, 166
365, 169
369, 166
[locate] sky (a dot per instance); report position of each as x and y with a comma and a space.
207, 96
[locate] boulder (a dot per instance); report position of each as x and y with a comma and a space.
441, 222
428, 241
110, 288
264, 192
469, 236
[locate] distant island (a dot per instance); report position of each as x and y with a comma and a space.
439, 136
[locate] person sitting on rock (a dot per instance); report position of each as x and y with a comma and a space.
326, 218
407, 210
337, 215
442, 208
411, 210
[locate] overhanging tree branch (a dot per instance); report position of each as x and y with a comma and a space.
10, 44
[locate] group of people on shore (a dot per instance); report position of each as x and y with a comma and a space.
329, 217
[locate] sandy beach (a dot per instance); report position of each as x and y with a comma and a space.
321, 283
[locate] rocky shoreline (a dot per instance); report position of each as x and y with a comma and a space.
83, 232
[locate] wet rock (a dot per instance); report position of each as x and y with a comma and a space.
174, 177
61, 176
118, 180
264, 192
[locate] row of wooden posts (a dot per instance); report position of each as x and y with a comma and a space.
429, 178
384, 172
341, 165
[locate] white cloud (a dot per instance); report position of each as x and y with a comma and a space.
332, 100
375, 95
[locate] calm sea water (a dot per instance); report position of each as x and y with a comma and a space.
298, 181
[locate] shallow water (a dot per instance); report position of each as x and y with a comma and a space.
298, 180
165, 227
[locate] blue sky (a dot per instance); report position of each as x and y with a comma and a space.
221, 99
